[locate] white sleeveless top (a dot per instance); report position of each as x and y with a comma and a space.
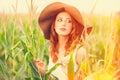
59, 72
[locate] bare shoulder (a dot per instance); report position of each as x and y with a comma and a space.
81, 50
80, 54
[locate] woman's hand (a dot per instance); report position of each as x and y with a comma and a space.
40, 66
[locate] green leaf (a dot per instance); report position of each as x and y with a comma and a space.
50, 71
4, 71
71, 68
35, 74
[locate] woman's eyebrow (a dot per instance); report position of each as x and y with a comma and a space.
69, 18
61, 18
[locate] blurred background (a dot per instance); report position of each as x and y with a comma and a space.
100, 6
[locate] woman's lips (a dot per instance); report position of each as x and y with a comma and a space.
63, 29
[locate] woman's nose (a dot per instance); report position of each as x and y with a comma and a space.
63, 23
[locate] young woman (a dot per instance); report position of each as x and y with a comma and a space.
62, 25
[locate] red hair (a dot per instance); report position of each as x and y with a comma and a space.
74, 35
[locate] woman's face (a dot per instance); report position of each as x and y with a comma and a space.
63, 24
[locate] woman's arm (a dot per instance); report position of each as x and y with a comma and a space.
80, 55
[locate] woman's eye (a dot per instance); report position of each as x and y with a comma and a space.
59, 20
69, 21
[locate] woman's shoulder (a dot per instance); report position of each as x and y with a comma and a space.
80, 49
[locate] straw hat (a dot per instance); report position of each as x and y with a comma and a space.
49, 13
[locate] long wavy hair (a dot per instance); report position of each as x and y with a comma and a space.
75, 35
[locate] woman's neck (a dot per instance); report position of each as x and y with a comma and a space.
62, 41
61, 46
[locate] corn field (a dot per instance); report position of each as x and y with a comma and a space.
22, 41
